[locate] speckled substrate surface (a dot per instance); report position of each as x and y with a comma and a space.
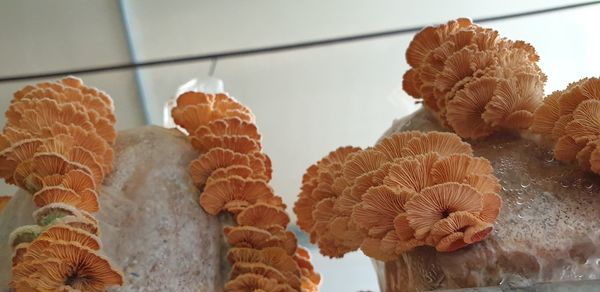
151, 224
548, 229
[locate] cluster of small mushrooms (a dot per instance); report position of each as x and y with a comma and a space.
570, 120
410, 189
233, 174
57, 145
475, 81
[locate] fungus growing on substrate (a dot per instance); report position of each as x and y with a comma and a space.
57, 146
58, 263
232, 174
473, 80
428, 190
570, 120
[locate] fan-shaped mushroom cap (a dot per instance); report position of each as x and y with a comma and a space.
465, 109
25, 233
239, 144
441, 143
379, 206
80, 222
437, 202
242, 171
310, 196
371, 247
514, 101
89, 140
391, 146
202, 167
76, 266
457, 167
18, 252
412, 173
240, 268
70, 234
4, 200
363, 162
455, 222
261, 215
232, 126
451, 242
547, 114
492, 203
253, 282
585, 125
233, 193
247, 236
46, 214
50, 195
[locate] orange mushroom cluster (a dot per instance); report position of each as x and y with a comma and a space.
570, 120
409, 190
233, 174
57, 145
474, 80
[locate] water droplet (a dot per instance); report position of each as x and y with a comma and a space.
525, 180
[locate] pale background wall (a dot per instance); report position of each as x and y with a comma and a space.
307, 101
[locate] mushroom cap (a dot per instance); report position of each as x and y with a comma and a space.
202, 167
252, 282
242, 171
66, 233
443, 144
437, 202
457, 167
262, 215
379, 206
362, 162
24, 234
547, 114
50, 195
585, 125
233, 192
241, 268
231, 126
412, 173
71, 264
239, 144
465, 109
391, 146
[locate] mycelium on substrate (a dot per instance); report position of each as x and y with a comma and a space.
569, 120
474, 80
410, 189
57, 146
233, 176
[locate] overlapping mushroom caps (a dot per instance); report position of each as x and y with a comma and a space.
570, 120
474, 80
233, 176
57, 145
409, 190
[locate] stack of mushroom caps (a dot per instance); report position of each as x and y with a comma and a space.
57, 146
475, 81
233, 176
409, 190
570, 121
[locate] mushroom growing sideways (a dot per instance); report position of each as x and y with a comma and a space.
409, 190
475, 81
